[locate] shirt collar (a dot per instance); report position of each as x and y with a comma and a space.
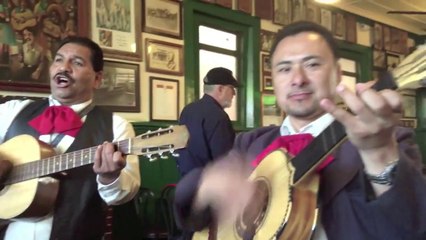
76, 107
314, 128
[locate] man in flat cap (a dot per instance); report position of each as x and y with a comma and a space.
209, 126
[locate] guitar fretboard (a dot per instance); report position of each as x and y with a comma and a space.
63, 162
313, 154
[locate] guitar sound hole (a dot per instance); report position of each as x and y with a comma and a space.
254, 213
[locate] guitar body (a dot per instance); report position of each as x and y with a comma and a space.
29, 198
282, 209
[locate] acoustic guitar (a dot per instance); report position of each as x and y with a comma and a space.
286, 194
23, 195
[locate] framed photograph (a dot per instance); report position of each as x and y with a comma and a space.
326, 19
120, 88
339, 25
379, 59
387, 42
163, 17
267, 85
378, 36
409, 123
267, 38
266, 63
245, 6
297, 12
164, 99
409, 106
225, 3
351, 28
392, 60
263, 9
29, 36
282, 12
271, 113
312, 12
164, 57
116, 27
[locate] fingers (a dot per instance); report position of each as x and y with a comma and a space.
107, 159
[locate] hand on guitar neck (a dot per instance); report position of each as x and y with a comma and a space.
5, 167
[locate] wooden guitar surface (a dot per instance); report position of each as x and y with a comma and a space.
17, 200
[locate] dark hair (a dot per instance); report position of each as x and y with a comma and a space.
306, 26
97, 56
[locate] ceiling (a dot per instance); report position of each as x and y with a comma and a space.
377, 10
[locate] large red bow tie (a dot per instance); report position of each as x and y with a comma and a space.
57, 119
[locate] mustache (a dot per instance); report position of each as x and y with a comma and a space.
63, 74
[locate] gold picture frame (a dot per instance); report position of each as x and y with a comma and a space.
164, 57
163, 17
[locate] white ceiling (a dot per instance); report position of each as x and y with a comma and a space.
377, 10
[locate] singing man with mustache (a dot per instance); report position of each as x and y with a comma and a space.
68, 121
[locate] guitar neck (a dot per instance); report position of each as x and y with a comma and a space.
58, 163
147, 144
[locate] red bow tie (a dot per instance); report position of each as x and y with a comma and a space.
57, 119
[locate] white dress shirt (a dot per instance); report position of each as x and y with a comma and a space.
314, 128
121, 190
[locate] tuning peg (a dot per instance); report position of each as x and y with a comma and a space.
163, 157
152, 159
175, 154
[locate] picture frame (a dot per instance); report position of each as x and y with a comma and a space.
267, 85
271, 113
339, 25
264, 9
281, 12
164, 96
297, 12
120, 88
379, 59
351, 28
378, 36
409, 123
409, 106
119, 37
267, 38
266, 63
164, 57
312, 12
163, 17
326, 19
225, 3
245, 6
392, 61
387, 42
37, 32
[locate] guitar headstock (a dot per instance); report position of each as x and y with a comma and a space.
160, 141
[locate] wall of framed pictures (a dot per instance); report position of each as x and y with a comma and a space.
148, 40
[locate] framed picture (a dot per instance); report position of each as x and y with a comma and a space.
116, 28
392, 60
378, 36
245, 6
163, 17
409, 106
267, 38
120, 88
282, 12
267, 85
339, 25
263, 9
271, 113
297, 10
164, 57
266, 63
164, 99
351, 28
326, 19
312, 12
225, 3
29, 36
409, 123
379, 59
387, 42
